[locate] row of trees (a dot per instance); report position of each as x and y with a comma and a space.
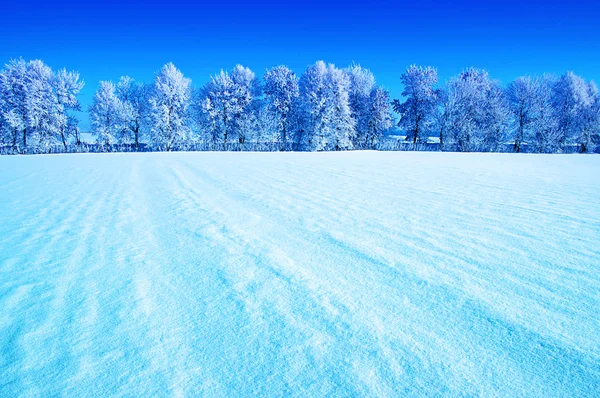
326, 108
35, 105
473, 112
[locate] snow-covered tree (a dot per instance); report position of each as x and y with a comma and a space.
590, 130
228, 104
327, 121
27, 89
340, 126
522, 96
248, 91
312, 105
218, 105
551, 112
417, 112
40, 104
380, 118
169, 100
473, 110
281, 92
134, 97
362, 85
107, 115
67, 86
497, 119
571, 98
13, 94
443, 116
35, 104
544, 128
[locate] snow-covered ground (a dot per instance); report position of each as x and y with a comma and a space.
303, 274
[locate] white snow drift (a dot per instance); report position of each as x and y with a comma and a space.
231, 274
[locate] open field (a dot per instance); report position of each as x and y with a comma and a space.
303, 274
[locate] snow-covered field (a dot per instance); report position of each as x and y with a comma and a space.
304, 274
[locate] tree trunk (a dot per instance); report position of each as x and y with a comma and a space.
416, 132
284, 133
520, 133
417, 124
585, 139
225, 121
62, 136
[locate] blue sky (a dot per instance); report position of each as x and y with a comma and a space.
115, 38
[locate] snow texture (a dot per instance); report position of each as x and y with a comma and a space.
300, 274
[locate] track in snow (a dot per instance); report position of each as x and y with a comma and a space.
359, 273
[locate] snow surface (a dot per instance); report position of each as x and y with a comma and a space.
303, 274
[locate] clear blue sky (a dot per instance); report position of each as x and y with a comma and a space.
104, 41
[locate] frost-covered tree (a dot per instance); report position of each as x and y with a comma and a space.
67, 86
281, 92
312, 105
473, 110
107, 115
551, 112
28, 101
40, 104
340, 126
522, 96
571, 98
545, 125
13, 94
169, 100
380, 118
35, 104
417, 112
327, 121
590, 115
442, 116
497, 119
228, 105
362, 85
134, 97
218, 105
575, 104
248, 90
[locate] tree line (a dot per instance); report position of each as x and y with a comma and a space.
326, 108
